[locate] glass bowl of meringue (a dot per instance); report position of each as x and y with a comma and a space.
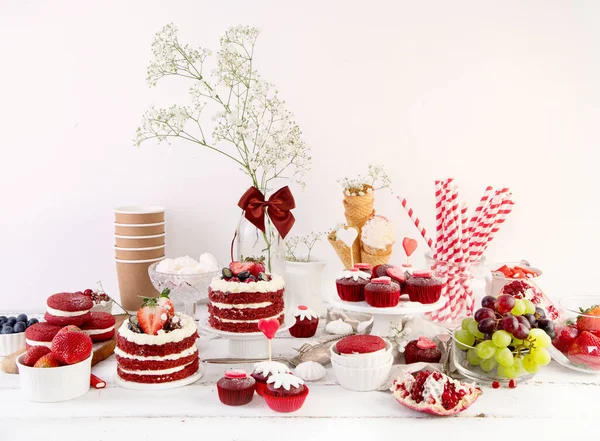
187, 278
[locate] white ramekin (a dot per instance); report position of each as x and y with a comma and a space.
48, 385
361, 361
10, 343
363, 380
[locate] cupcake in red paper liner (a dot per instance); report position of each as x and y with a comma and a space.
351, 285
264, 370
424, 287
382, 292
422, 350
306, 324
236, 388
285, 393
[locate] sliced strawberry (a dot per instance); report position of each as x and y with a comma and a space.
165, 303
396, 273
590, 319
586, 350
239, 267
505, 270
151, 317
257, 268
565, 337
34, 354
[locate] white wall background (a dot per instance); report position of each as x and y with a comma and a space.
490, 92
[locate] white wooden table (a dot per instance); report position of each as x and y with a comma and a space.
557, 404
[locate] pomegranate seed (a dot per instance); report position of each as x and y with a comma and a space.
495, 385
512, 383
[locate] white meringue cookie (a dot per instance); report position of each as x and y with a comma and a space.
210, 262
310, 371
187, 270
339, 327
166, 266
184, 262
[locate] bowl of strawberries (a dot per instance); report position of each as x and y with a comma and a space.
576, 344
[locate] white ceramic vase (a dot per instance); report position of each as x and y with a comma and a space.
303, 285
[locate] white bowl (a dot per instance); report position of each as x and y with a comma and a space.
361, 361
10, 343
49, 385
363, 380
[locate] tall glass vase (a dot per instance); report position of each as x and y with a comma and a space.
251, 242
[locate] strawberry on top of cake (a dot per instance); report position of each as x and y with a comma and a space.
244, 294
158, 345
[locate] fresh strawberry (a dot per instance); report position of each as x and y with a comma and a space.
590, 319
47, 361
71, 347
586, 350
70, 328
565, 337
151, 316
34, 354
239, 267
165, 303
257, 267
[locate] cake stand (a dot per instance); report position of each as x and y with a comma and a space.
385, 319
160, 386
246, 344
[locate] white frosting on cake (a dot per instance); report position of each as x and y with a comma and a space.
38, 343
285, 380
159, 371
188, 328
307, 314
98, 331
277, 283
354, 275
266, 368
185, 353
241, 305
224, 320
59, 313
378, 233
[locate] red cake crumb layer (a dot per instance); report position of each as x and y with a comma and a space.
360, 344
246, 313
66, 321
236, 327
180, 375
99, 320
155, 350
235, 298
43, 332
102, 337
70, 302
153, 365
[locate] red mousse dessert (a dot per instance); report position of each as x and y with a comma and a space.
382, 292
243, 295
306, 324
360, 344
100, 326
41, 334
158, 345
422, 350
285, 393
351, 284
264, 370
67, 308
236, 388
424, 287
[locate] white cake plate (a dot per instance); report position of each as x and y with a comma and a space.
244, 344
160, 386
386, 319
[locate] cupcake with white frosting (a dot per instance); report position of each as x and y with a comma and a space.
306, 324
351, 283
264, 370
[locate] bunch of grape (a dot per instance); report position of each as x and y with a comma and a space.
507, 334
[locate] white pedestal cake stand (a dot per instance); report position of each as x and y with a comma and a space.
385, 319
247, 344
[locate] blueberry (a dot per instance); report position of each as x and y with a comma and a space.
6, 329
263, 277
22, 318
32, 321
11, 321
3, 320
227, 274
243, 275
19, 327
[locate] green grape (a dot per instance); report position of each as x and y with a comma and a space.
516, 342
501, 372
544, 341
529, 306
519, 308
504, 357
530, 364
466, 338
541, 356
473, 358
508, 372
486, 349
488, 365
465, 323
473, 330
518, 365
535, 333
501, 339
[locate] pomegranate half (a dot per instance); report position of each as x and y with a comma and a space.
434, 393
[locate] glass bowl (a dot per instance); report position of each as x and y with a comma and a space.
187, 288
459, 356
577, 342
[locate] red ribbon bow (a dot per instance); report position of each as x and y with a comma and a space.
279, 205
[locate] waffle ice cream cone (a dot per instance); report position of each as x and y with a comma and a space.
343, 251
380, 258
377, 240
358, 209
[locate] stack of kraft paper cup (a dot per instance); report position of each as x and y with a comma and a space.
139, 242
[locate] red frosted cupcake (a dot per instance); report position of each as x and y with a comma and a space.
264, 370
424, 287
422, 350
382, 293
236, 388
351, 285
306, 324
285, 393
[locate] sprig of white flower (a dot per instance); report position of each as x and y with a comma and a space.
360, 185
307, 241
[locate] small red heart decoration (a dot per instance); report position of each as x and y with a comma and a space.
425, 343
396, 273
409, 245
268, 327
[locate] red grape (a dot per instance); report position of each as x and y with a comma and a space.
486, 325
540, 313
505, 303
531, 319
488, 302
523, 321
88, 292
522, 332
510, 324
483, 313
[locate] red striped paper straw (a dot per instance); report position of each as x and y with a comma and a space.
417, 222
482, 203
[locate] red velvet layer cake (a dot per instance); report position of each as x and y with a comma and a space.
237, 306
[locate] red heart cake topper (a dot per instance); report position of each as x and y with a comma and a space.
268, 327
409, 245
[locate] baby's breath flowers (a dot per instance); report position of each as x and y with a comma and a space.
361, 185
307, 242
250, 123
